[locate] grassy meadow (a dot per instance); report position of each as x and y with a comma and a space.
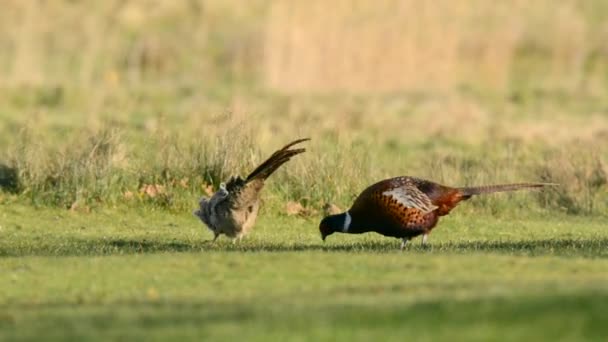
116, 116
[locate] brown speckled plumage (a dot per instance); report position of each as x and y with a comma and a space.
233, 209
405, 207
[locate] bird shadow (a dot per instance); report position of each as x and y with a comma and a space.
563, 246
121, 246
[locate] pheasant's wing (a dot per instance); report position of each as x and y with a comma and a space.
203, 212
237, 212
249, 195
409, 196
242, 193
234, 185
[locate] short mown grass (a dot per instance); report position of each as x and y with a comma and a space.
154, 275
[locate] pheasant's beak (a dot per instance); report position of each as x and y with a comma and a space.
323, 229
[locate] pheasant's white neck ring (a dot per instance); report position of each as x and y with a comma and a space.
347, 220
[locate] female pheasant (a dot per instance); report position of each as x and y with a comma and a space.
233, 209
405, 207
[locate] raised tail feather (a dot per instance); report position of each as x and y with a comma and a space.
275, 161
487, 189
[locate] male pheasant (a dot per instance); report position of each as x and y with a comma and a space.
233, 209
405, 207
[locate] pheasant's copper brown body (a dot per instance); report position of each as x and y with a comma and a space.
233, 209
405, 207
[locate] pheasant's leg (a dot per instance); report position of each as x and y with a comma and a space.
215, 236
404, 242
424, 238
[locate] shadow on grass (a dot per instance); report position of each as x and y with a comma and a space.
565, 247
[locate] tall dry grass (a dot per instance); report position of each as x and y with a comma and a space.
365, 46
104, 168
314, 46
151, 102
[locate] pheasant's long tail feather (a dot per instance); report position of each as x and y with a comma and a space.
275, 161
487, 189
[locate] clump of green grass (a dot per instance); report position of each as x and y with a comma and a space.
100, 168
84, 171
582, 179
186, 169
327, 173
105, 168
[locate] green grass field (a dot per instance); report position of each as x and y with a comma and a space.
115, 116
153, 275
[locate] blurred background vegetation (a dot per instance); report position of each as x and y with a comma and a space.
149, 102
